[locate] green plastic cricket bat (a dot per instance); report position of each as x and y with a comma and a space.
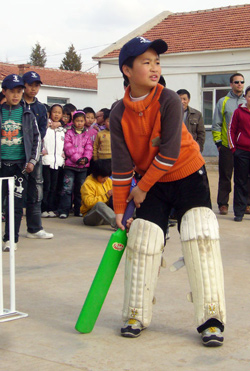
104, 276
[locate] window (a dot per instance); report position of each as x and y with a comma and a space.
214, 87
55, 100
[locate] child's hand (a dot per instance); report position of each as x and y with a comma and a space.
29, 168
44, 152
137, 195
55, 124
110, 193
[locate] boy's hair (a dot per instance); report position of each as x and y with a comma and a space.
183, 91
128, 62
54, 105
162, 81
66, 111
106, 113
88, 110
247, 90
70, 106
235, 74
78, 114
101, 168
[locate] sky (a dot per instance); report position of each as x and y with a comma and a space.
90, 25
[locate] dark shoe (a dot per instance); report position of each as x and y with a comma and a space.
132, 328
247, 211
223, 210
212, 337
238, 218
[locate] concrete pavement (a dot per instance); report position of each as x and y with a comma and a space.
54, 276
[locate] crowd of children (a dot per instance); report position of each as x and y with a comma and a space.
64, 150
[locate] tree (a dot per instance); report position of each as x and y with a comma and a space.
71, 61
38, 56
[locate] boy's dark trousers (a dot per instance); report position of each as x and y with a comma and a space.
14, 170
182, 195
34, 199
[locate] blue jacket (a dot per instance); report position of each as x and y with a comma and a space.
40, 113
31, 136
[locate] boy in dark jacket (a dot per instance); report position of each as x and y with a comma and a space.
32, 83
20, 147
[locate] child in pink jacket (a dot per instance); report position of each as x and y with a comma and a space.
78, 151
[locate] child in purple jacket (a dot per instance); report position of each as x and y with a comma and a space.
78, 151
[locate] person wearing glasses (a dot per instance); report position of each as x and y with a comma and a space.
222, 116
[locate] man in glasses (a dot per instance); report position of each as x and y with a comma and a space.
222, 116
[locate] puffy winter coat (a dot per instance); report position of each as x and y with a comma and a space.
77, 146
53, 144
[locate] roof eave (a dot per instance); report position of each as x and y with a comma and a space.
137, 32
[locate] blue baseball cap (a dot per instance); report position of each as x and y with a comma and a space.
12, 81
31, 76
138, 46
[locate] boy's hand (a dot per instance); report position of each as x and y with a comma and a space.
118, 219
110, 193
137, 195
29, 168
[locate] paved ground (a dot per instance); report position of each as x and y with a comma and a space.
53, 278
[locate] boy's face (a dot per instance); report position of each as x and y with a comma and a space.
107, 123
102, 179
13, 96
145, 73
79, 122
248, 99
90, 118
31, 90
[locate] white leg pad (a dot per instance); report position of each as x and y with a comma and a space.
143, 260
201, 249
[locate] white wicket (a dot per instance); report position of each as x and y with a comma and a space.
9, 314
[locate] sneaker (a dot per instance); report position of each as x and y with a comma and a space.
78, 214
132, 328
42, 234
212, 337
6, 246
223, 210
238, 218
52, 214
63, 216
45, 214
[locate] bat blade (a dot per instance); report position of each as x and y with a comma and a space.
103, 278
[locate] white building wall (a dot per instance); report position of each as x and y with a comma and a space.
79, 97
181, 71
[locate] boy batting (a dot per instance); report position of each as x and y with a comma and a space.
147, 132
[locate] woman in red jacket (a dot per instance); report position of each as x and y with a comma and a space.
239, 143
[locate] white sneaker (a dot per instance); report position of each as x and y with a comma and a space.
52, 214
63, 216
45, 214
6, 246
40, 234
132, 328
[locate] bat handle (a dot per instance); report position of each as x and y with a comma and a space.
128, 213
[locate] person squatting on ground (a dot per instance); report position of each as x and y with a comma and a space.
32, 82
96, 194
239, 144
78, 151
222, 116
147, 131
20, 148
52, 160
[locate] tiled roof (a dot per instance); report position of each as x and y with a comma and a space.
53, 77
213, 29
